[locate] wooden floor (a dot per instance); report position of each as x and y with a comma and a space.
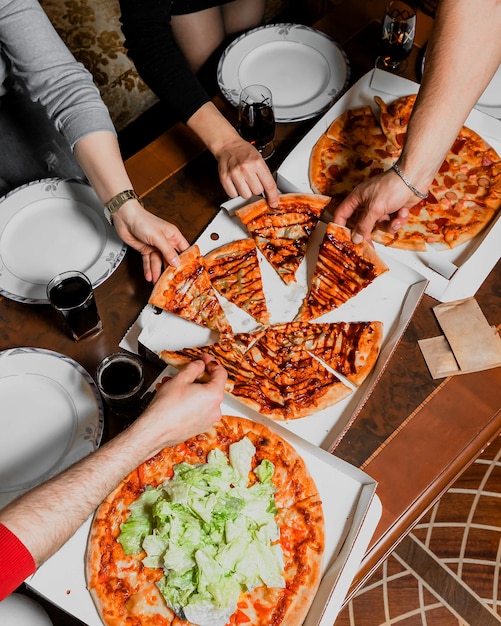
448, 571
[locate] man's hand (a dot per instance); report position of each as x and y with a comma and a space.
383, 198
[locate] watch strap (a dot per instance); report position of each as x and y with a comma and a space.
116, 202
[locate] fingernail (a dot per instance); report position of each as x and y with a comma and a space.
357, 238
404, 212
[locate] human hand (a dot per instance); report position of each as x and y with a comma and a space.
183, 406
155, 239
375, 201
243, 172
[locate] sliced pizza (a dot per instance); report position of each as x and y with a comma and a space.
394, 117
235, 273
186, 290
282, 233
288, 371
348, 348
228, 352
343, 269
463, 199
227, 570
336, 169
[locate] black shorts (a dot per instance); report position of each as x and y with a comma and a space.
182, 7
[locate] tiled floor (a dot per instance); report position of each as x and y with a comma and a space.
448, 571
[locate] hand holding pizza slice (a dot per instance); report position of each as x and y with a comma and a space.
186, 291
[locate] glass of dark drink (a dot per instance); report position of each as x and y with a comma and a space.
72, 297
256, 118
397, 36
120, 378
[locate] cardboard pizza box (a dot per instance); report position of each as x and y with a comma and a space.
453, 274
351, 511
390, 299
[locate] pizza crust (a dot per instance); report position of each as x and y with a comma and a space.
123, 588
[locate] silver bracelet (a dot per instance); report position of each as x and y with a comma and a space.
415, 191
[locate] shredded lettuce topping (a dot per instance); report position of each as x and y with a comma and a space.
213, 533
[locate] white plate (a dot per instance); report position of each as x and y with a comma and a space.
50, 226
304, 68
52, 416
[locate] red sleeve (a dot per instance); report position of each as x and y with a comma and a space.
16, 562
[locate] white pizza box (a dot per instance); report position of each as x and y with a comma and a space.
391, 299
351, 512
452, 274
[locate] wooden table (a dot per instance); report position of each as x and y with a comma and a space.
414, 435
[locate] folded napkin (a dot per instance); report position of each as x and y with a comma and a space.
469, 343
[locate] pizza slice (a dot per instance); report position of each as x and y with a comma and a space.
348, 348
228, 352
282, 233
186, 291
278, 377
336, 169
359, 129
235, 273
394, 117
343, 269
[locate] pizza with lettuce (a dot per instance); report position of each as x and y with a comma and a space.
224, 529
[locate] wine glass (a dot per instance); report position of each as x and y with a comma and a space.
397, 36
256, 118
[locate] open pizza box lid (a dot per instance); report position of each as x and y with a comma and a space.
351, 512
453, 274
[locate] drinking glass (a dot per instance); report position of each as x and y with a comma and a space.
72, 297
120, 378
397, 36
256, 118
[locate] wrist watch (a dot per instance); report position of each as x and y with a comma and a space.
116, 202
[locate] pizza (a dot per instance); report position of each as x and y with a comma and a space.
274, 573
282, 233
186, 291
235, 273
343, 270
463, 198
394, 117
288, 370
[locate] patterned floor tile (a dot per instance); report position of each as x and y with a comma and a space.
448, 571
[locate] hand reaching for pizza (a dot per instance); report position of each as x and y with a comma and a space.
158, 241
243, 172
382, 198
183, 406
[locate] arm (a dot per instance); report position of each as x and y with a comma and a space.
150, 44
99, 155
461, 59
47, 516
66, 89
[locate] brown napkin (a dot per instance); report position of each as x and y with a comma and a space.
469, 344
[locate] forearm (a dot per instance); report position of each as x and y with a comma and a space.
462, 56
100, 158
213, 128
47, 516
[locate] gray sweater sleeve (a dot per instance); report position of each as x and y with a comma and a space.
33, 53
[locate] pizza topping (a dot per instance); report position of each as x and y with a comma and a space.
186, 291
212, 530
343, 269
235, 273
282, 233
